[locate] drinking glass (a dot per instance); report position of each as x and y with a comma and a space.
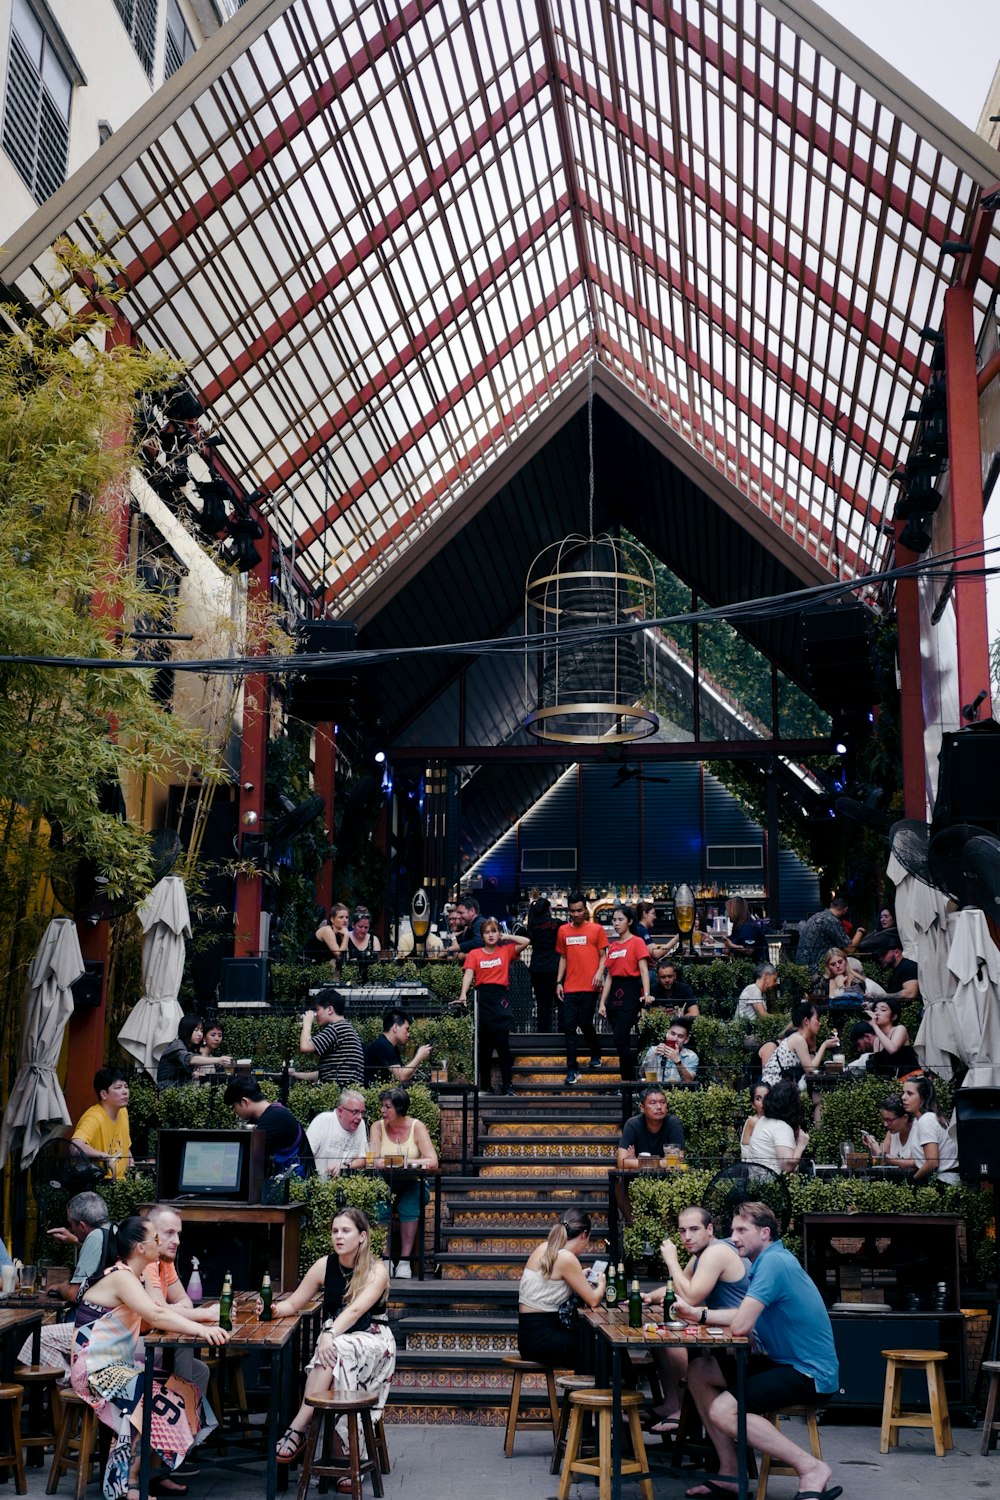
28, 1278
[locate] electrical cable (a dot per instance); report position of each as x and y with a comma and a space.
775, 606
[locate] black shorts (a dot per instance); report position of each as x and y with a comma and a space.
770, 1386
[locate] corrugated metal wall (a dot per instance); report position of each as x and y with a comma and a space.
671, 846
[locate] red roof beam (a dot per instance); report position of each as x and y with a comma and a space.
469, 381
804, 124
744, 224
274, 143
335, 277
726, 388
823, 406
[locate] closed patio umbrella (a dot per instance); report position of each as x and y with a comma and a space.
36, 1110
153, 1022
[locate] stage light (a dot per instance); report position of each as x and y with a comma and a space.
380, 757
840, 748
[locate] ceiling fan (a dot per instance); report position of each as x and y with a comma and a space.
627, 773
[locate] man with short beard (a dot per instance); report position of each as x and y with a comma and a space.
164, 1285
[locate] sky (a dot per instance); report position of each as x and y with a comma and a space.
950, 50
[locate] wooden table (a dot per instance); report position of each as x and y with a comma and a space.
281, 1339
15, 1325
611, 1331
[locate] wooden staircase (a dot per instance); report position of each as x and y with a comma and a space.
541, 1149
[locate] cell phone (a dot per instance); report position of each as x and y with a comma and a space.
597, 1270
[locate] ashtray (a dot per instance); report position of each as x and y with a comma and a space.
676, 1324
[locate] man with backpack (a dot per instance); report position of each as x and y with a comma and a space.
287, 1143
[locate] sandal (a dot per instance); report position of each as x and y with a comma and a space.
290, 1445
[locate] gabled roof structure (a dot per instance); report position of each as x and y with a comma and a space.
388, 240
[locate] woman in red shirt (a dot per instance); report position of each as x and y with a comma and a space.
626, 986
488, 968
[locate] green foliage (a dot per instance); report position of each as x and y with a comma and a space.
123, 1197
269, 1040
855, 1107
199, 1106
656, 1202
324, 1197
451, 1038
291, 982
288, 775
709, 1117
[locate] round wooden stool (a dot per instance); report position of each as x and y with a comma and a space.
566, 1385
991, 1423
328, 1407
225, 1377
11, 1397
900, 1362
767, 1465
529, 1422
599, 1468
41, 1379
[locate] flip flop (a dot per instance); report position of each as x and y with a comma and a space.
666, 1427
832, 1493
709, 1490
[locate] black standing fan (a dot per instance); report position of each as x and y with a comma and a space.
746, 1182
982, 873
948, 862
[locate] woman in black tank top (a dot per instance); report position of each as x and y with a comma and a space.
356, 1350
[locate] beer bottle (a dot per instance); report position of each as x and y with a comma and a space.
668, 1298
622, 1282
635, 1306
266, 1296
226, 1303
611, 1287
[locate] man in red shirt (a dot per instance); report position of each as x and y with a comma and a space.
582, 948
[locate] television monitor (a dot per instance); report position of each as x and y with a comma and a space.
211, 1169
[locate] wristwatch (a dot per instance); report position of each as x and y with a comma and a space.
704, 1317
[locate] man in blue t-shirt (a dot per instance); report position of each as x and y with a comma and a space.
796, 1364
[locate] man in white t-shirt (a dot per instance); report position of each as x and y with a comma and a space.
339, 1136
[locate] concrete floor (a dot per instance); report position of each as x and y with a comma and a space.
454, 1463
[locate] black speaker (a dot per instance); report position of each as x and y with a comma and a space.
977, 1118
89, 988
323, 693
838, 647
243, 981
969, 778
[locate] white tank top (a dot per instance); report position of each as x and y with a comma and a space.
541, 1293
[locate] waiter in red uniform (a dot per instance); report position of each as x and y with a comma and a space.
626, 986
488, 968
582, 947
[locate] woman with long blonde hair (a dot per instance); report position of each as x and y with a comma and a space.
546, 1328
355, 1350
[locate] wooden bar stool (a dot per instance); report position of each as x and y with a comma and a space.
382, 1446
566, 1384
938, 1419
529, 1422
40, 1380
11, 1397
328, 1407
599, 1468
77, 1445
767, 1464
991, 1422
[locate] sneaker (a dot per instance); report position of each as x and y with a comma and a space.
402, 1271
571, 1077
510, 1092
595, 1062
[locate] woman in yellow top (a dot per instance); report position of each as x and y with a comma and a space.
102, 1131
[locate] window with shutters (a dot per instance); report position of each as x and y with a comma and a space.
180, 42
36, 105
139, 20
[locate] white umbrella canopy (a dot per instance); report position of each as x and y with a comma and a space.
36, 1110
154, 1019
975, 962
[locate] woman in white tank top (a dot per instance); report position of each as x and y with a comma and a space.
551, 1277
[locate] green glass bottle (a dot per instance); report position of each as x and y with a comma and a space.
668, 1299
266, 1299
635, 1306
611, 1287
226, 1303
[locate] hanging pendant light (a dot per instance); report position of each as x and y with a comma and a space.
590, 666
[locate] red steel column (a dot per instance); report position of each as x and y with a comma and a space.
324, 775
253, 762
87, 1027
965, 465
911, 701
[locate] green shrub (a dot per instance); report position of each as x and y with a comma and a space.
199, 1106
656, 1202
324, 1197
451, 1038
